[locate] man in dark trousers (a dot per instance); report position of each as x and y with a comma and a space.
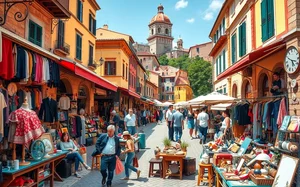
108, 147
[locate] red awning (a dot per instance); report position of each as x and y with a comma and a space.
129, 92
252, 58
88, 74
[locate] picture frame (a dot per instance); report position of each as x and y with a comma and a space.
64, 130
46, 138
286, 168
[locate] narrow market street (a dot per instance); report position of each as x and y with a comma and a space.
154, 136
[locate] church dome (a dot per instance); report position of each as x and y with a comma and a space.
160, 16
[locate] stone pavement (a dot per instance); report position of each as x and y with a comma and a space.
154, 136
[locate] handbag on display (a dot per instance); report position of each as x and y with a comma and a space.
294, 125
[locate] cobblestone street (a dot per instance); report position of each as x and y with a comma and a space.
154, 135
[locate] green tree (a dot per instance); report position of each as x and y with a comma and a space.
200, 76
163, 60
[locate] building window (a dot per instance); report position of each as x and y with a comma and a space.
224, 60
123, 71
152, 31
167, 88
78, 46
232, 9
267, 19
147, 67
126, 75
217, 66
158, 30
198, 50
110, 67
167, 31
79, 10
224, 90
233, 48
242, 39
60, 34
92, 24
220, 64
35, 33
91, 54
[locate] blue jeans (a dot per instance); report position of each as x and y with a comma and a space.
76, 157
131, 130
178, 133
202, 132
108, 163
128, 163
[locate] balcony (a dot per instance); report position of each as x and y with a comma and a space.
62, 48
218, 45
58, 8
91, 64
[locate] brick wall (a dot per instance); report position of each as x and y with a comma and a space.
293, 14
37, 14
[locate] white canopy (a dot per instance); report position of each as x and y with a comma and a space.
181, 103
165, 104
221, 106
212, 99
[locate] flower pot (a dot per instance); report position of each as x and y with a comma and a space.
184, 149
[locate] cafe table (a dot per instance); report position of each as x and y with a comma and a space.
36, 166
222, 182
167, 158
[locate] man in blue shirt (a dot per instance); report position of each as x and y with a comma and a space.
108, 147
178, 124
115, 121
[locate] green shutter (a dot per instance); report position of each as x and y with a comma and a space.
224, 61
240, 41
220, 65
31, 36
78, 46
95, 25
244, 41
270, 18
90, 23
264, 25
233, 49
79, 10
217, 66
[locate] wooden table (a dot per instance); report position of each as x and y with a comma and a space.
34, 166
221, 181
168, 158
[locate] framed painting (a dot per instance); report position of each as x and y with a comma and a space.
46, 138
286, 171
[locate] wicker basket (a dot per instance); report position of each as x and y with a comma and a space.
262, 182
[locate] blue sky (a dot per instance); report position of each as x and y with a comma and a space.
192, 19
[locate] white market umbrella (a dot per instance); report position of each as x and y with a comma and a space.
195, 100
157, 102
166, 104
181, 103
213, 99
220, 107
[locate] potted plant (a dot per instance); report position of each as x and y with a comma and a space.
167, 143
184, 146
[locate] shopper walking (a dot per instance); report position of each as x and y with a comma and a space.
130, 122
203, 121
178, 124
108, 147
144, 116
226, 127
115, 121
196, 125
68, 145
169, 119
129, 151
191, 122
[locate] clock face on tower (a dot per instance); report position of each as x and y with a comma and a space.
291, 62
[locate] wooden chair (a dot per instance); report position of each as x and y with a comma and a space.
152, 171
201, 172
96, 162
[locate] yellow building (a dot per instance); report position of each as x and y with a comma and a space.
182, 90
121, 65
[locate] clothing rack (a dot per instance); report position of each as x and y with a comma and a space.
263, 98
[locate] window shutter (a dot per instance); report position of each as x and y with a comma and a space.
78, 9
39, 35
240, 40
31, 31
61, 34
94, 24
105, 68
220, 65
91, 52
224, 61
233, 48
264, 25
80, 46
244, 42
114, 68
90, 22
217, 66
270, 18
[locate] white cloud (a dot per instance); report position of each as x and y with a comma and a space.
208, 16
191, 20
213, 8
181, 4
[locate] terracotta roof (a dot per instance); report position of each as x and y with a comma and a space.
160, 16
142, 53
182, 80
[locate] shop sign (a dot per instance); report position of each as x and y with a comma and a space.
99, 91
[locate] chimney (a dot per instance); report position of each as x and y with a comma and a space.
105, 26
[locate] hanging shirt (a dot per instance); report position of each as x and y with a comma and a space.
64, 103
6, 65
0, 45
2, 106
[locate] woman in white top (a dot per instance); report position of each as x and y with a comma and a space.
226, 127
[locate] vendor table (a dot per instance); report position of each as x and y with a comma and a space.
168, 158
34, 166
220, 180
136, 142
